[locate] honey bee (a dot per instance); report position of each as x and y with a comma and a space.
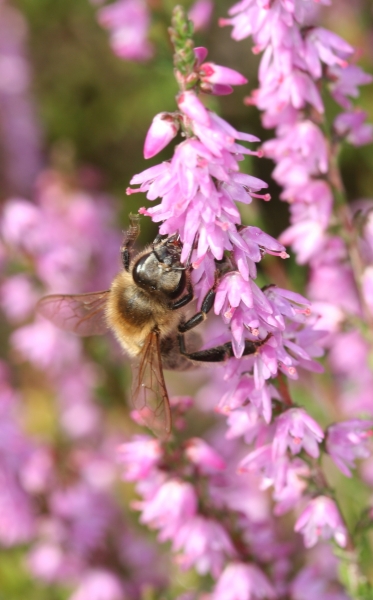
144, 308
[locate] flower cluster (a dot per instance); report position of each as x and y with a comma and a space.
301, 59
269, 329
298, 57
59, 496
220, 523
199, 188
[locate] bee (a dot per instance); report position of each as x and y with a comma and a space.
145, 309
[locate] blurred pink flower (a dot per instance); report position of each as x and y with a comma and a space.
99, 584
348, 441
297, 430
204, 456
241, 581
321, 520
128, 22
18, 297
139, 457
17, 518
174, 503
205, 544
200, 13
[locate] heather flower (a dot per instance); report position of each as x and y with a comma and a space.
128, 22
139, 456
54, 350
344, 83
244, 422
88, 513
319, 578
17, 519
200, 14
22, 153
46, 561
203, 543
290, 485
240, 581
18, 298
288, 478
353, 127
99, 584
347, 441
169, 507
296, 429
321, 519
162, 130
204, 456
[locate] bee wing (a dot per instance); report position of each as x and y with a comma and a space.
82, 314
149, 393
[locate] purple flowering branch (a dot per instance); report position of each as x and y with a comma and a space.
300, 60
199, 187
57, 495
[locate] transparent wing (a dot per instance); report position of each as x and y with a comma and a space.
149, 393
82, 314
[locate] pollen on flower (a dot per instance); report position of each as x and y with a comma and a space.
143, 211
230, 312
291, 371
265, 197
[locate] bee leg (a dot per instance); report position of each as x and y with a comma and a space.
199, 317
184, 300
129, 240
219, 353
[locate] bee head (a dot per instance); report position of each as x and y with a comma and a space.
160, 270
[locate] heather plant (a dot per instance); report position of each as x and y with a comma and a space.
245, 493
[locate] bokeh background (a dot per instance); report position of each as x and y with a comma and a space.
75, 114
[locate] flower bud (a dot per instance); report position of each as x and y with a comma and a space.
162, 130
217, 74
193, 108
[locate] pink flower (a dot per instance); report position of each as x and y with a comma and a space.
18, 297
99, 584
348, 441
204, 456
128, 22
296, 429
86, 514
241, 581
200, 13
321, 519
139, 456
323, 46
17, 521
162, 130
45, 346
212, 73
345, 82
45, 561
353, 127
192, 107
290, 485
172, 504
203, 543
244, 422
